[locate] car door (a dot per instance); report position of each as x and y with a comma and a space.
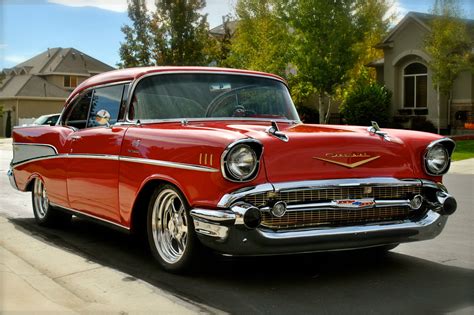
93, 158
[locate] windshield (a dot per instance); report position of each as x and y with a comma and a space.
196, 95
46, 120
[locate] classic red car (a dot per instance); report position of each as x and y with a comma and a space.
218, 157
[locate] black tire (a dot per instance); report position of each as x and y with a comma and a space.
45, 214
173, 244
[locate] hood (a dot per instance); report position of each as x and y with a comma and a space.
315, 152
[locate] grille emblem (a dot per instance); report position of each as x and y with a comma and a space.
354, 203
347, 159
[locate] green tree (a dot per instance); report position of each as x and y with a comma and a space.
135, 51
261, 40
180, 33
450, 48
372, 21
325, 34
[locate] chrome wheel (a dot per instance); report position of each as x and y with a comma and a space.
169, 226
40, 199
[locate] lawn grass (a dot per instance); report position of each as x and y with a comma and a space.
464, 150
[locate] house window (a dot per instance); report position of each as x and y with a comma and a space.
415, 82
70, 81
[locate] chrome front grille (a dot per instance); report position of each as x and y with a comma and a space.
325, 194
334, 217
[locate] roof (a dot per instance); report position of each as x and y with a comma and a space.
130, 74
424, 19
63, 60
376, 63
30, 85
220, 31
27, 78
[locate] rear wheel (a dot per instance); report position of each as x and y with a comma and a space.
171, 230
45, 214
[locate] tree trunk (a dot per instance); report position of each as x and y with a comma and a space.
326, 120
321, 107
437, 99
450, 99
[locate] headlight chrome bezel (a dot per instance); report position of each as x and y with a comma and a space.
254, 145
446, 144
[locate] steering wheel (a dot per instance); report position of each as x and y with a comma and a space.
239, 109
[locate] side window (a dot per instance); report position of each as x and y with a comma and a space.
108, 99
77, 117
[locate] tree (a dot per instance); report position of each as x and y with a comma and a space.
450, 49
372, 21
180, 33
261, 40
135, 51
325, 34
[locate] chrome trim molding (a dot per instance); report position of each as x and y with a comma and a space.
333, 205
55, 155
92, 156
184, 166
29, 151
89, 215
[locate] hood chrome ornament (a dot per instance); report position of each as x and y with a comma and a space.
275, 131
375, 129
331, 156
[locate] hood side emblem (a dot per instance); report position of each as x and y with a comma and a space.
349, 165
275, 131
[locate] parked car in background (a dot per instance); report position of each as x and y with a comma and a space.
50, 119
219, 157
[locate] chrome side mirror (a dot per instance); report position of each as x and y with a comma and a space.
102, 117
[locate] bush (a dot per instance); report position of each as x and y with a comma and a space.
420, 123
367, 103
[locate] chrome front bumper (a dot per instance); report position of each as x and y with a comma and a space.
224, 230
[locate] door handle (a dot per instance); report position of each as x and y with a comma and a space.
76, 137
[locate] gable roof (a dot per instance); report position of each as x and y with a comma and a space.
27, 78
423, 19
30, 85
64, 60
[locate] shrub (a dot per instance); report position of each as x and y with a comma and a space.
420, 123
367, 103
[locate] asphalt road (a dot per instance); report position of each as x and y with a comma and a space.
435, 276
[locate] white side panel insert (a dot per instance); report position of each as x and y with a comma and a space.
29, 151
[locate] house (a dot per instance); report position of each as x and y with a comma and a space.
41, 84
405, 71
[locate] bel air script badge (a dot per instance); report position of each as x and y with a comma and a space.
347, 159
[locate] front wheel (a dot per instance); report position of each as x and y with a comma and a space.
171, 230
45, 214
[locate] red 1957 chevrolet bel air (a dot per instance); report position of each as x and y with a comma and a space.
218, 157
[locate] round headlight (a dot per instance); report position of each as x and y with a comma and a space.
241, 162
437, 160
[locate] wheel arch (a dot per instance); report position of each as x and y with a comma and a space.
140, 205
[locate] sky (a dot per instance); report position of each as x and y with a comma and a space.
29, 27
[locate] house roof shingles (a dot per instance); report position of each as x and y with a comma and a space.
27, 78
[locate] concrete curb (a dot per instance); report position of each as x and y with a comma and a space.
38, 277
465, 167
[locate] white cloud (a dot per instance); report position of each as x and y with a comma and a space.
397, 11
110, 5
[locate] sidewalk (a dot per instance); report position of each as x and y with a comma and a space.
38, 277
465, 167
